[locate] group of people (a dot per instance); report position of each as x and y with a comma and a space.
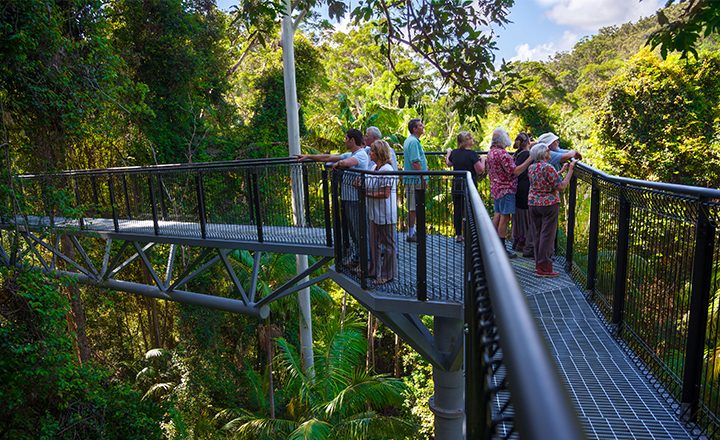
369, 152
524, 185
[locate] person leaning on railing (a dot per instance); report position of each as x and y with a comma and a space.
463, 158
354, 159
382, 211
544, 204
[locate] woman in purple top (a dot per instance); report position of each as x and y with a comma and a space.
521, 232
544, 204
463, 158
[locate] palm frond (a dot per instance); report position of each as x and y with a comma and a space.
369, 425
289, 361
257, 387
345, 353
250, 427
365, 390
158, 390
145, 372
312, 429
156, 353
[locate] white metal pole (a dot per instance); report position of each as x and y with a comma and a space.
293, 128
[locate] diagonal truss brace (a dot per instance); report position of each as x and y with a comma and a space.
291, 287
166, 288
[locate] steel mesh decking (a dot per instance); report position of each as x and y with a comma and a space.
614, 398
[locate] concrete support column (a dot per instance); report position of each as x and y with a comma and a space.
448, 403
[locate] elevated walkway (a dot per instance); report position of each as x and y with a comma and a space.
612, 394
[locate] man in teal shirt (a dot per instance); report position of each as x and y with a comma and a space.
414, 157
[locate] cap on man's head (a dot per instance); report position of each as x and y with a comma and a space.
547, 138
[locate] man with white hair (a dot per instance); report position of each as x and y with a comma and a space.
557, 154
503, 173
373, 134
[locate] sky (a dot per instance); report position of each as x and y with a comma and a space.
541, 28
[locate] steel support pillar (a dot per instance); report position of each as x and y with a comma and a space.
448, 403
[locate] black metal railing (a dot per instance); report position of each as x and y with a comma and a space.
236, 200
252, 199
428, 268
505, 398
513, 388
646, 253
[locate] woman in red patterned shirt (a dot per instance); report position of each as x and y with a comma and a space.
544, 205
503, 173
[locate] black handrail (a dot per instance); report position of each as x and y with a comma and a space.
690, 190
542, 408
657, 242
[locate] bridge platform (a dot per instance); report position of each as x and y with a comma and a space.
613, 396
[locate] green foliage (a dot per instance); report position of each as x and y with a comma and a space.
61, 83
264, 134
177, 50
340, 400
45, 392
659, 120
697, 19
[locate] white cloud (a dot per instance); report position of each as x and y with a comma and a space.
591, 15
544, 51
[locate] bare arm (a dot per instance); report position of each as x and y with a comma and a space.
319, 157
381, 193
480, 165
346, 163
448, 162
566, 180
569, 155
522, 167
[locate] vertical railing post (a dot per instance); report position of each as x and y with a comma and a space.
256, 200
163, 208
127, 198
78, 202
201, 203
113, 206
344, 227
326, 207
421, 242
251, 202
621, 260
594, 233
362, 222
306, 194
336, 218
699, 302
96, 198
570, 245
151, 188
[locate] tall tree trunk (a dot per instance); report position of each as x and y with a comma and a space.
370, 357
76, 318
396, 363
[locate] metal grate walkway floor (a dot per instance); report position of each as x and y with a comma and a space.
613, 398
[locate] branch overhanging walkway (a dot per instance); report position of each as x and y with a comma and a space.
613, 396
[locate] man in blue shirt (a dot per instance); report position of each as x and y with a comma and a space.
557, 154
355, 159
414, 160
